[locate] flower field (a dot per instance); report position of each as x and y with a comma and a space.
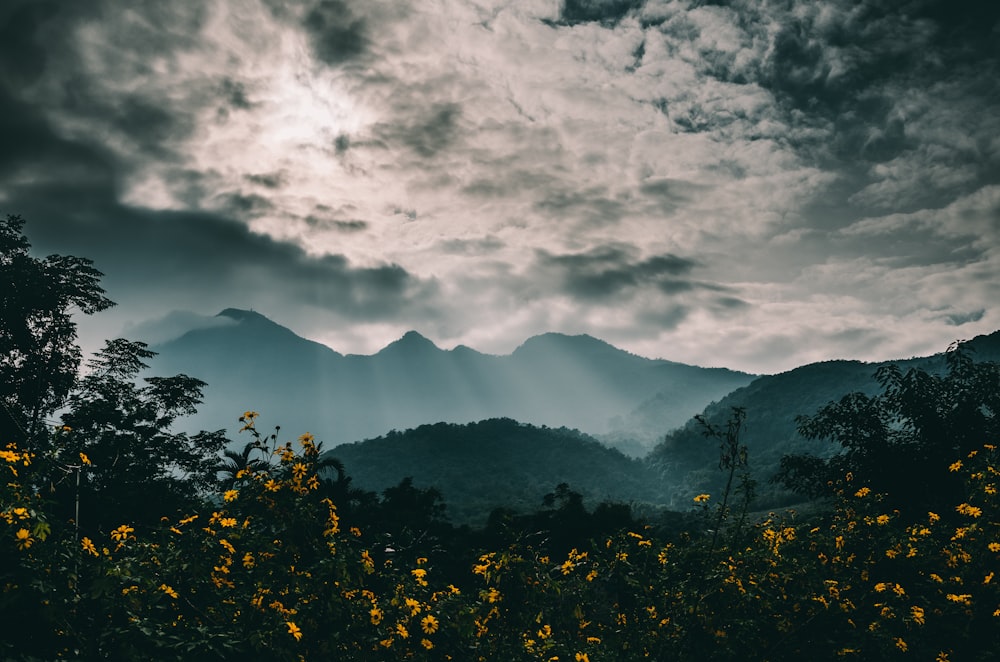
270, 569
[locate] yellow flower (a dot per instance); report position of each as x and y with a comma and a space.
121, 533
294, 630
702, 498
429, 624
306, 439
402, 631
169, 591
376, 615
248, 561
582, 657
964, 598
230, 495
23, 538
917, 613
420, 574
414, 606
994, 546
955, 466
545, 632
901, 645
84, 459
88, 546
969, 510
426, 643
227, 522
882, 519
863, 492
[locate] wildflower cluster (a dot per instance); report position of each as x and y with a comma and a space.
270, 569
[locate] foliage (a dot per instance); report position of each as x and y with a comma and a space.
899, 439
498, 462
273, 570
115, 452
39, 356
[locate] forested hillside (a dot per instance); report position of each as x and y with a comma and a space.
773, 406
498, 463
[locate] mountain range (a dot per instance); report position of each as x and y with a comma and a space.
251, 363
495, 431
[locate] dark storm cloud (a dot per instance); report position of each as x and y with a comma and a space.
848, 65
607, 12
610, 271
426, 133
32, 148
22, 57
958, 319
234, 93
150, 124
180, 251
337, 35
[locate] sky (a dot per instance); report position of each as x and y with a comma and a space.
753, 184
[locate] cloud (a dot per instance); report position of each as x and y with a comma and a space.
22, 58
337, 35
612, 273
607, 12
797, 177
427, 133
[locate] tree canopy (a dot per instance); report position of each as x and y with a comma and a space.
39, 354
903, 440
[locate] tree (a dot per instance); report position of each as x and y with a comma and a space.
117, 459
902, 441
39, 355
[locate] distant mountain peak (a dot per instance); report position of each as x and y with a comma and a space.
546, 342
243, 315
410, 343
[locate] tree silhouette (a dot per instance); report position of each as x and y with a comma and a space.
39, 355
117, 438
902, 441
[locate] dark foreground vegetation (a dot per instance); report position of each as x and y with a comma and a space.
121, 539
